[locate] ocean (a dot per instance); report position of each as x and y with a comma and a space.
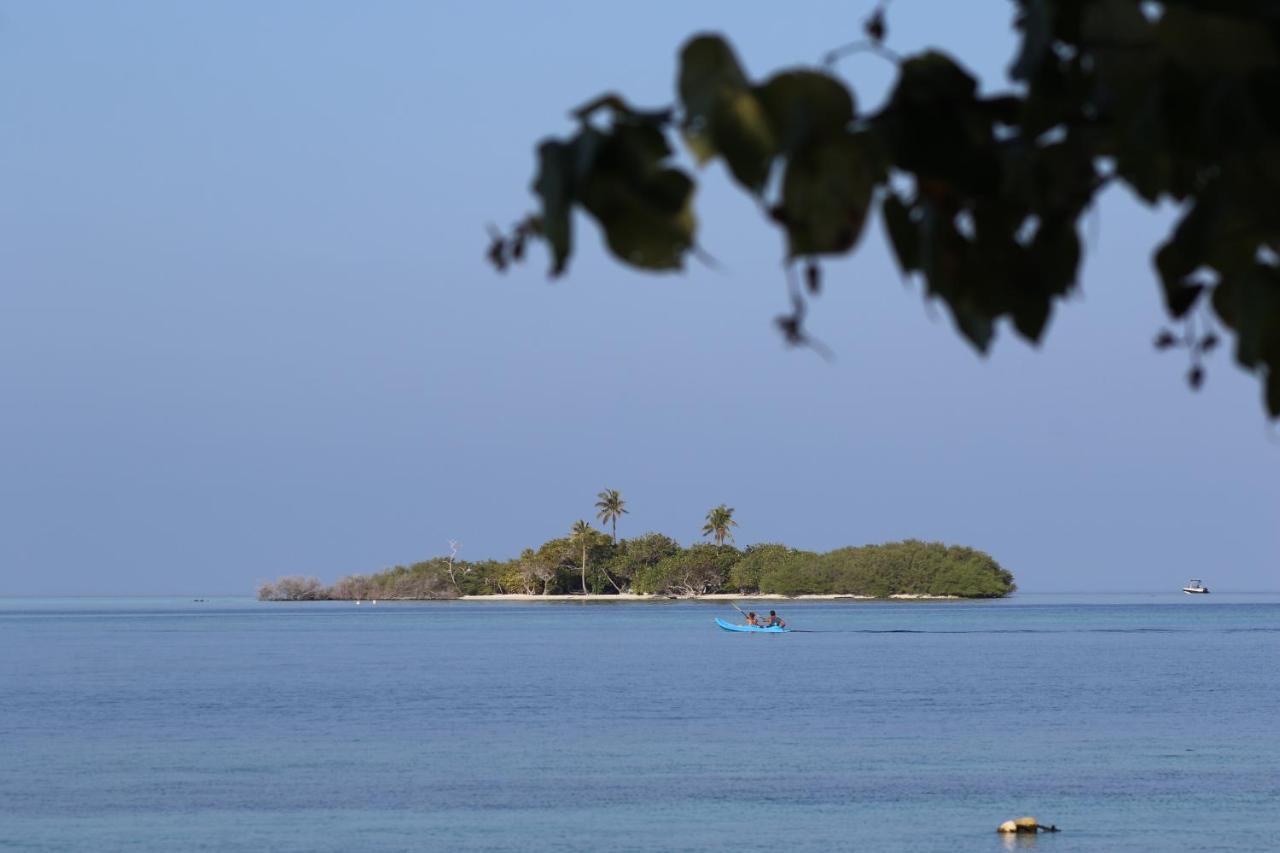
1133, 723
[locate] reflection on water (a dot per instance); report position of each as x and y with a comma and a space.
1018, 840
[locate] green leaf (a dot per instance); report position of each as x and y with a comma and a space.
932, 77
722, 114
561, 167
825, 194
1208, 44
1179, 257
640, 147
620, 178
935, 127
699, 145
1255, 315
555, 185
643, 206
805, 106
650, 226
1121, 43
1049, 269
1037, 36
975, 324
1055, 254
954, 271
1249, 302
1116, 24
1031, 316
903, 235
1065, 178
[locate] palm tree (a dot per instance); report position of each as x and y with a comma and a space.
611, 506
719, 520
582, 533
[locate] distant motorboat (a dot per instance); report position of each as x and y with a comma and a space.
1194, 587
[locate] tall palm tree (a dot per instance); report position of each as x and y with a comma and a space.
611, 506
582, 533
719, 520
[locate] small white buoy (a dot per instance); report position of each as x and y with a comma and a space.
375, 601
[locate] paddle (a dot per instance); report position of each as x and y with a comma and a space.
737, 608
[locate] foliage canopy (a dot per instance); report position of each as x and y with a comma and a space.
656, 564
980, 197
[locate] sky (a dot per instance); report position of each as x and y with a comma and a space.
247, 330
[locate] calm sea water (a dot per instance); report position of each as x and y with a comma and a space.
1134, 723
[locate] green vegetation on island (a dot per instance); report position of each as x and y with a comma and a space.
589, 561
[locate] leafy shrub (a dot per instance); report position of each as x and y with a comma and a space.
293, 588
654, 563
694, 571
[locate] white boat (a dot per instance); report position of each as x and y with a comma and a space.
1194, 587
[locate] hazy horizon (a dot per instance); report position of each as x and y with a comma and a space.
247, 329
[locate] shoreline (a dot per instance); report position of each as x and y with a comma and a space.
715, 596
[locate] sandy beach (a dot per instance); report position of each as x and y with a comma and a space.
718, 596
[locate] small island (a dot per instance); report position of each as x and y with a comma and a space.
590, 563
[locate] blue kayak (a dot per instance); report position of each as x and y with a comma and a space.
750, 629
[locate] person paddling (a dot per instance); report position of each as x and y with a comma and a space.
775, 621
753, 619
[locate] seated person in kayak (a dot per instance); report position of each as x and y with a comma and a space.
775, 621
753, 619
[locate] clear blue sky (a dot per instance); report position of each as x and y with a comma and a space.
246, 328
